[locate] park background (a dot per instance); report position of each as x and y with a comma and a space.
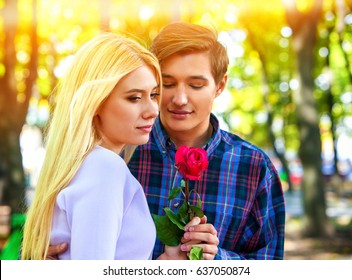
289, 92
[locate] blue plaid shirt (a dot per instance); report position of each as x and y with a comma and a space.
240, 191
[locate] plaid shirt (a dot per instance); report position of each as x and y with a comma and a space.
240, 191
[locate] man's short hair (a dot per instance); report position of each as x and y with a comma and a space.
183, 37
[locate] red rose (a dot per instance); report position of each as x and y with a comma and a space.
191, 162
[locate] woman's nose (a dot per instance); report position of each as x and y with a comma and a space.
152, 109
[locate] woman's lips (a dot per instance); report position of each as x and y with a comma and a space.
146, 128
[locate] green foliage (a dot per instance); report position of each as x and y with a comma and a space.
12, 247
167, 232
196, 253
170, 228
175, 191
176, 219
63, 26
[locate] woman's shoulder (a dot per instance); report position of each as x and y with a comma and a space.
101, 172
102, 162
102, 156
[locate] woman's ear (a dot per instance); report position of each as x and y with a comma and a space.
221, 86
96, 112
96, 120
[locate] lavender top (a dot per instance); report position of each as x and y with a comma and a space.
103, 213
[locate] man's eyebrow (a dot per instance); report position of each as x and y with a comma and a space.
195, 77
166, 75
198, 77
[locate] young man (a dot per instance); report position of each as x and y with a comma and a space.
241, 192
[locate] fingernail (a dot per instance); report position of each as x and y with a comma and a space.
186, 235
183, 247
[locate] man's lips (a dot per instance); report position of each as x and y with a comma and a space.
179, 114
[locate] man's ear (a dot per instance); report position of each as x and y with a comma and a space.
221, 86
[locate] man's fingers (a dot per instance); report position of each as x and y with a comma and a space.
190, 242
209, 251
204, 237
202, 228
203, 220
209, 257
195, 221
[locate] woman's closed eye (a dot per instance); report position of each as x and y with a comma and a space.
154, 95
134, 98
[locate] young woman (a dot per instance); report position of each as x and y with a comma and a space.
86, 195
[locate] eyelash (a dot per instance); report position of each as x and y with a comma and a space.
167, 86
136, 98
196, 87
155, 95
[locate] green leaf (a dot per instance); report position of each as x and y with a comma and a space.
182, 213
175, 191
174, 218
199, 201
196, 253
199, 213
167, 232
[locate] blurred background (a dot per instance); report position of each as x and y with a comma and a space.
289, 92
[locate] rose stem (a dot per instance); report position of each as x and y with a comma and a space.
187, 201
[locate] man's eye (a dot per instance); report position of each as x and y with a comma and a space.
196, 86
168, 85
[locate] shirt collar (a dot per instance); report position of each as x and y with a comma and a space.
164, 141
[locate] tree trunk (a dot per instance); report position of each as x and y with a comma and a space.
269, 110
13, 111
105, 8
304, 27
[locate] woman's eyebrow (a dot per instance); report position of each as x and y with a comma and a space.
133, 90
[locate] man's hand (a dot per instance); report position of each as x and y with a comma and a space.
173, 253
55, 250
198, 232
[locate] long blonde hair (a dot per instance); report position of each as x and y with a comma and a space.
96, 69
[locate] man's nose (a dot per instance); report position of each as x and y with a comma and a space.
180, 96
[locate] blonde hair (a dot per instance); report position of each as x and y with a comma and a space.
96, 69
183, 37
